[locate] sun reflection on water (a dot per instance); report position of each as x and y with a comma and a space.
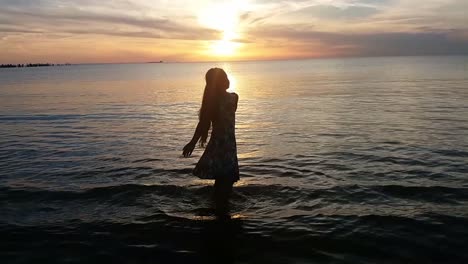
233, 83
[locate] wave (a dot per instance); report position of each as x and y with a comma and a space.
334, 238
339, 193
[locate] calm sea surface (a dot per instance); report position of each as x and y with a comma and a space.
342, 160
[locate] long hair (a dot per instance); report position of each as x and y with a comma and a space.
217, 83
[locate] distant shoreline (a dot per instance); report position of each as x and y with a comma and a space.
221, 61
32, 65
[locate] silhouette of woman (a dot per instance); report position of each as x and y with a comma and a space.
219, 161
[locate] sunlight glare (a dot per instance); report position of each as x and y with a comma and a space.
224, 47
233, 84
224, 17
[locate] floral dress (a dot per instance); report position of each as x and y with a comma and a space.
220, 156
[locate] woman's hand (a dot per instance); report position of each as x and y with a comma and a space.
188, 149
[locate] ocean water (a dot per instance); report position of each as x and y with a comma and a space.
360, 160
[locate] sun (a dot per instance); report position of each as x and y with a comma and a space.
224, 17
224, 47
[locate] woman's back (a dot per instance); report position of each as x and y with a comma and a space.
224, 123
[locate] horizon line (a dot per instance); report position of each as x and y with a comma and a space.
247, 60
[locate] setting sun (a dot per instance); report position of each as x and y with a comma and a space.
224, 47
226, 30
224, 17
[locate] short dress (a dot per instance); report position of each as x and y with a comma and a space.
219, 160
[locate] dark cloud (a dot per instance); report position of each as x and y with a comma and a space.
17, 30
51, 4
139, 34
372, 44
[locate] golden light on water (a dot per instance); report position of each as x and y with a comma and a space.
224, 17
233, 84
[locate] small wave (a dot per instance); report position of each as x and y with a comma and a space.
324, 238
275, 193
437, 194
452, 153
114, 193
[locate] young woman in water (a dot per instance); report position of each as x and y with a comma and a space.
219, 161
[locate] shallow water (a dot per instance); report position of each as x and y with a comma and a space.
342, 160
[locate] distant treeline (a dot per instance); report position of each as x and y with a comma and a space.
32, 65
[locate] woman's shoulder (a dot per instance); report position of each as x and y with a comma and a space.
233, 96
231, 99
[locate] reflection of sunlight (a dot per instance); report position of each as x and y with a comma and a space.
198, 181
238, 216
252, 154
224, 17
241, 182
233, 84
232, 78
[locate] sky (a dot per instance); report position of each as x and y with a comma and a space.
90, 31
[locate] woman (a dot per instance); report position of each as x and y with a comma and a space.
219, 161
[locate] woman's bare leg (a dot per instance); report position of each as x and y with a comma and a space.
222, 192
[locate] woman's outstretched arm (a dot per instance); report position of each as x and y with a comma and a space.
188, 149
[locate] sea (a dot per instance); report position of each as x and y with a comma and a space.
346, 160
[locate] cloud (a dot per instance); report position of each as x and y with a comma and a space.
303, 11
334, 12
284, 28
22, 17
449, 42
